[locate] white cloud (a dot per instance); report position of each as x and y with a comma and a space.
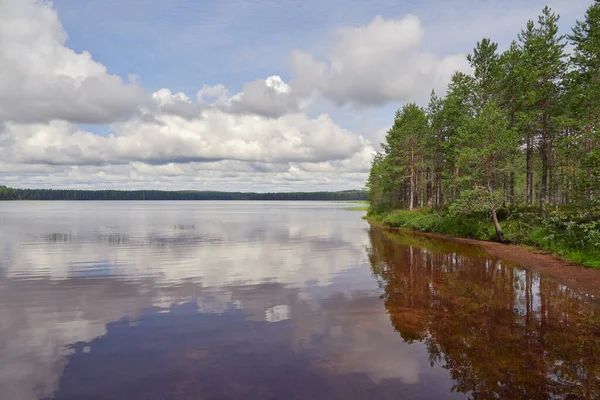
256, 138
270, 97
217, 94
378, 63
215, 136
42, 80
214, 151
176, 104
217, 175
260, 136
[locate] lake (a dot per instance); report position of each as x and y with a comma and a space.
273, 300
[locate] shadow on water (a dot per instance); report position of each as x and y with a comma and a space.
502, 331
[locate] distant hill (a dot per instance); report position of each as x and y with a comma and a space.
7, 193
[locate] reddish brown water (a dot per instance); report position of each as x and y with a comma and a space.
502, 331
220, 300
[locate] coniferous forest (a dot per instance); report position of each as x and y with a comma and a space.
512, 152
7, 193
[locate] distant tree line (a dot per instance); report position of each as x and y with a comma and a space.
7, 193
522, 129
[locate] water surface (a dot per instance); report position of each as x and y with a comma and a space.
260, 300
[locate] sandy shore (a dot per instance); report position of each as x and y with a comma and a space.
583, 280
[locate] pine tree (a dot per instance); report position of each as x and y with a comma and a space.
544, 57
405, 145
585, 84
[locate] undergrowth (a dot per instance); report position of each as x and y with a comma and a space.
571, 234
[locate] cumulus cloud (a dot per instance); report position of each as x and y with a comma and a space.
215, 136
375, 64
43, 80
270, 97
178, 104
258, 139
216, 175
216, 95
216, 151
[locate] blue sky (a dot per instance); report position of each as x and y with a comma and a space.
183, 43
202, 94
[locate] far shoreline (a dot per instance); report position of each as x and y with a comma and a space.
17, 194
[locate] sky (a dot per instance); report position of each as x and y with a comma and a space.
238, 95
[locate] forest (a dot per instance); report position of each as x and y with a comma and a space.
511, 152
7, 193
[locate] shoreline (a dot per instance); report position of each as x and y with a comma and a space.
584, 280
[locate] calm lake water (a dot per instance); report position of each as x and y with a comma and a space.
269, 300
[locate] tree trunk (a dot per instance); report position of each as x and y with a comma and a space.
554, 175
422, 192
438, 186
529, 173
497, 225
412, 178
512, 187
544, 157
544, 187
569, 193
504, 190
441, 186
491, 166
428, 177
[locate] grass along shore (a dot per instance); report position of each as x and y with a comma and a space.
571, 235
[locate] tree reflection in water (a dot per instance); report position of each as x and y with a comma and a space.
502, 331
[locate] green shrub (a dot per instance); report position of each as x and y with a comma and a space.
569, 233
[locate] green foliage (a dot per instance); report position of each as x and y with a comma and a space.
572, 235
478, 200
395, 169
474, 226
366, 208
486, 65
7, 193
585, 77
